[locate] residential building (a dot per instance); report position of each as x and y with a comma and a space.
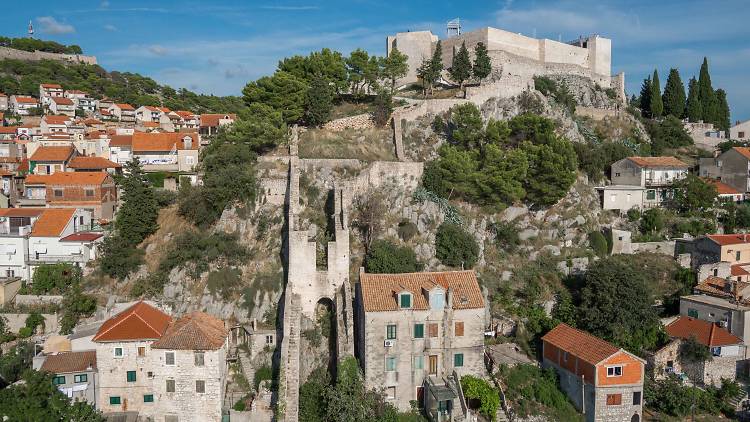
48, 160
740, 131
713, 248
705, 135
148, 114
3, 102
164, 369
49, 91
170, 152
82, 101
22, 105
121, 148
210, 123
731, 167
720, 301
90, 164
188, 120
52, 124
123, 112
604, 382
724, 192
62, 106
7, 133
641, 182
415, 332
94, 192
74, 374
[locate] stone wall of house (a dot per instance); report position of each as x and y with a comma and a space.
18, 321
666, 247
360, 121
720, 367
658, 361
621, 413
32, 300
11, 53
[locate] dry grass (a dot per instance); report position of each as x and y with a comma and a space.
366, 145
171, 224
347, 109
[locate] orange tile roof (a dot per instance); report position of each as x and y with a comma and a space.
185, 114
744, 151
722, 188
52, 86
23, 99
81, 162
737, 269
212, 120
62, 101
579, 343
124, 106
379, 291
92, 121
75, 91
163, 109
195, 331
150, 124
121, 140
8, 129
139, 322
720, 287
729, 239
52, 153
21, 212
706, 333
52, 222
55, 120
658, 162
162, 141
64, 363
60, 178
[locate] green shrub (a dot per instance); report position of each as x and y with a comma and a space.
240, 405
165, 198
54, 278
652, 221
149, 286
634, 214
25, 332
385, 257
199, 249
455, 247
438, 125
598, 243
119, 258
263, 373
534, 391
479, 389
35, 319
506, 235
224, 281
407, 230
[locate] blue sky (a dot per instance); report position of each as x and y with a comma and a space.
217, 46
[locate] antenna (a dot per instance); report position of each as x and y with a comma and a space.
453, 28
31, 30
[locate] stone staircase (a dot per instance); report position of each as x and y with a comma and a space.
736, 401
292, 321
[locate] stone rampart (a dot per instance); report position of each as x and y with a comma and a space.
12, 53
33, 300
360, 121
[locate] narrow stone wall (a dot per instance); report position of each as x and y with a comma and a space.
11, 53
360, 121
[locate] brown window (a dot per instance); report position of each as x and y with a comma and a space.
170, 386
433, 329
89, 193
141, 351
740, 134
57, 193
459, 330
200, 386
614, 399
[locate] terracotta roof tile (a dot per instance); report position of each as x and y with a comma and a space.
21, 212
63, 363
81, 162
62, 101
706, 333
8, 130
744, 151
81, 237
739, 269
658, 162
27, 100
124, 106
212, 120
52, 153
52, 222
55, 120
721, 287
379, 291
52, 86
59, 178
195, 331
721, 187
185, 114
139, 322
121, 140
163, 141
729, 239
579, 343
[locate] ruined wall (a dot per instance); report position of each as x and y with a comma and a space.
11, 53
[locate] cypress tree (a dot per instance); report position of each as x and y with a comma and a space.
319, 102
657, 107
706, 94
482, 63
723, 120
674, 95
694, 108
645, 100
460, 69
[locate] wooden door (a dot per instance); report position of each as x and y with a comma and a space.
433, 364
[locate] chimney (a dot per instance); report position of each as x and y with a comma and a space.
449, 298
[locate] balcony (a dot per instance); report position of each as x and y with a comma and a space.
160, 167
660, 181
37, 259
32, 202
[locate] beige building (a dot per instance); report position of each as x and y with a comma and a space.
415, 331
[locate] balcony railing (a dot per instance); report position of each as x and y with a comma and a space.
660, 181
46, 258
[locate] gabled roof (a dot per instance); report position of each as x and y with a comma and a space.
62, 101
379, 291
162, 141
706, 333
195, 331
658, 162
51, 86
64, 363
52, 222
721, 287
121, 140
68, 178
123, 106
722, 188
139, 322
729, 239
212, 120
21, 212
45, 153
580, 344
81, 162
25, 99
56, 120
8, 130
81, 237
185, 114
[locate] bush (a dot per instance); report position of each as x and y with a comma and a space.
25, 332
263, 373
634, 214
54, 278
224, 281
75, 305
149, 286
534, 391
407, 230
165, 198
598, 243
479, 389
198, 249
455, 247
506, 235
652, 221
119, 258
385, 257
35, 319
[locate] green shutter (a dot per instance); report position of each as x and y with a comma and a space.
148, 398
59, 380
131, 376
406, 300
692, 313
114, 399
458, 360
418, 330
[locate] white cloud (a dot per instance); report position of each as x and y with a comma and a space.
157, 50
110, 27
50, 25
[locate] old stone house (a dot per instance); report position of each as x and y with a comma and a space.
731, 168
415, 330
604, 382
715, 248
94, 192
641, 182
74, 374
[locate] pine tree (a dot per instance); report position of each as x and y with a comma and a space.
706, 94
482, 63
460, 69
319, 102
436, 63
694, 108
674, 95
657, 107
723, 120
394, 66
645, 99
136, 218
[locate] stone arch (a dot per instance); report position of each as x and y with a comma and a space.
319, 339
636, 418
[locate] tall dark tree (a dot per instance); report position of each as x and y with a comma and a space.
657, 107
136, 218
706, 94
394, 66
723, 120
430, 70
674, 95
694, 108
319, 102
460, 69
482, 63
645, 98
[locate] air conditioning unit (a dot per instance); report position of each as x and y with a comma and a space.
389, 343
722, 324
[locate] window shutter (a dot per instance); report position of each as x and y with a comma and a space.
433, 330
459, 331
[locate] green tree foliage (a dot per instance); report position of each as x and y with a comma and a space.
645, 98
667, 133
652, 221
326, 63
706, 94
480, 389
694, 108
598, 243
319, 102
37, 399
383, 107
394, 67
15, 362
482, 63
136, 218
670, 396
723, 116
282, 91
455, 247
552, 170
75, 305
54, 278
429, 72
364, 71
466, 127
385, 257
692, 195
33, 44
118, 257
674, 95
312, 395
693, 351
506, 235
534, 391
595, 159
460, 69
657, 107
559, 92
5, 334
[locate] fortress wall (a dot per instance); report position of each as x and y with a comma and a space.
521, 45
556, 52
11, 53
416, 45
525, 69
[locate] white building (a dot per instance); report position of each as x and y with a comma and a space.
62, 106
641, 182
82, 101
22, 104
740, 131
49, 91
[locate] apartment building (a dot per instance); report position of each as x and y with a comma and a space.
641, 182
94, 192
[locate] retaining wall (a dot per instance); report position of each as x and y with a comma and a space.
32, 300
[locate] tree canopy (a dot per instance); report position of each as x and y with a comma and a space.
394, 66
482, 64
384, 257
674, 95
460, 69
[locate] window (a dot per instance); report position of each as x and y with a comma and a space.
189, 160
148, 398
390, 363
390, 393
692, 313
390, 332
433, 328
614, 371
418, 330
459, 329
170, 386
118, 352
650, 195
141, 351
617, 174
80, 378
114, 400
740, 134
131, 376
636, 398
418, 362
60, 379
437, 301
200, 386
57, 193
269, 339
89, 193
737, 255
405, 301
458, 360
199, 359
565, 356
614, 399
171, 418
169, 358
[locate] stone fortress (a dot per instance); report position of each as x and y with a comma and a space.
515, 55
11, 53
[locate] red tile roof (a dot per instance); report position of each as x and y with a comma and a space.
121, 140
729, 239
64, 363
139, 322
81, 237
212, 120
81, 162
163, 141
24, 99
195, 331
579, 343
722, 188
124, 106
52, 86
62, 101
52, 222
706, 333
185, 114
21, 212
721, 287
8, 129
744, 151
737, 269
670, 162
52, 153
55, 120
380, 291
96, 178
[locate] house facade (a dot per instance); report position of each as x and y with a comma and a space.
732, 168
49, 160
22, 104
49, 91
74, 374
123, 112
210, 123
94, 192
740, 131
169, 152
604, 382
642, 182
62, 106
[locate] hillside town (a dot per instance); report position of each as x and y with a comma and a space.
477, 226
